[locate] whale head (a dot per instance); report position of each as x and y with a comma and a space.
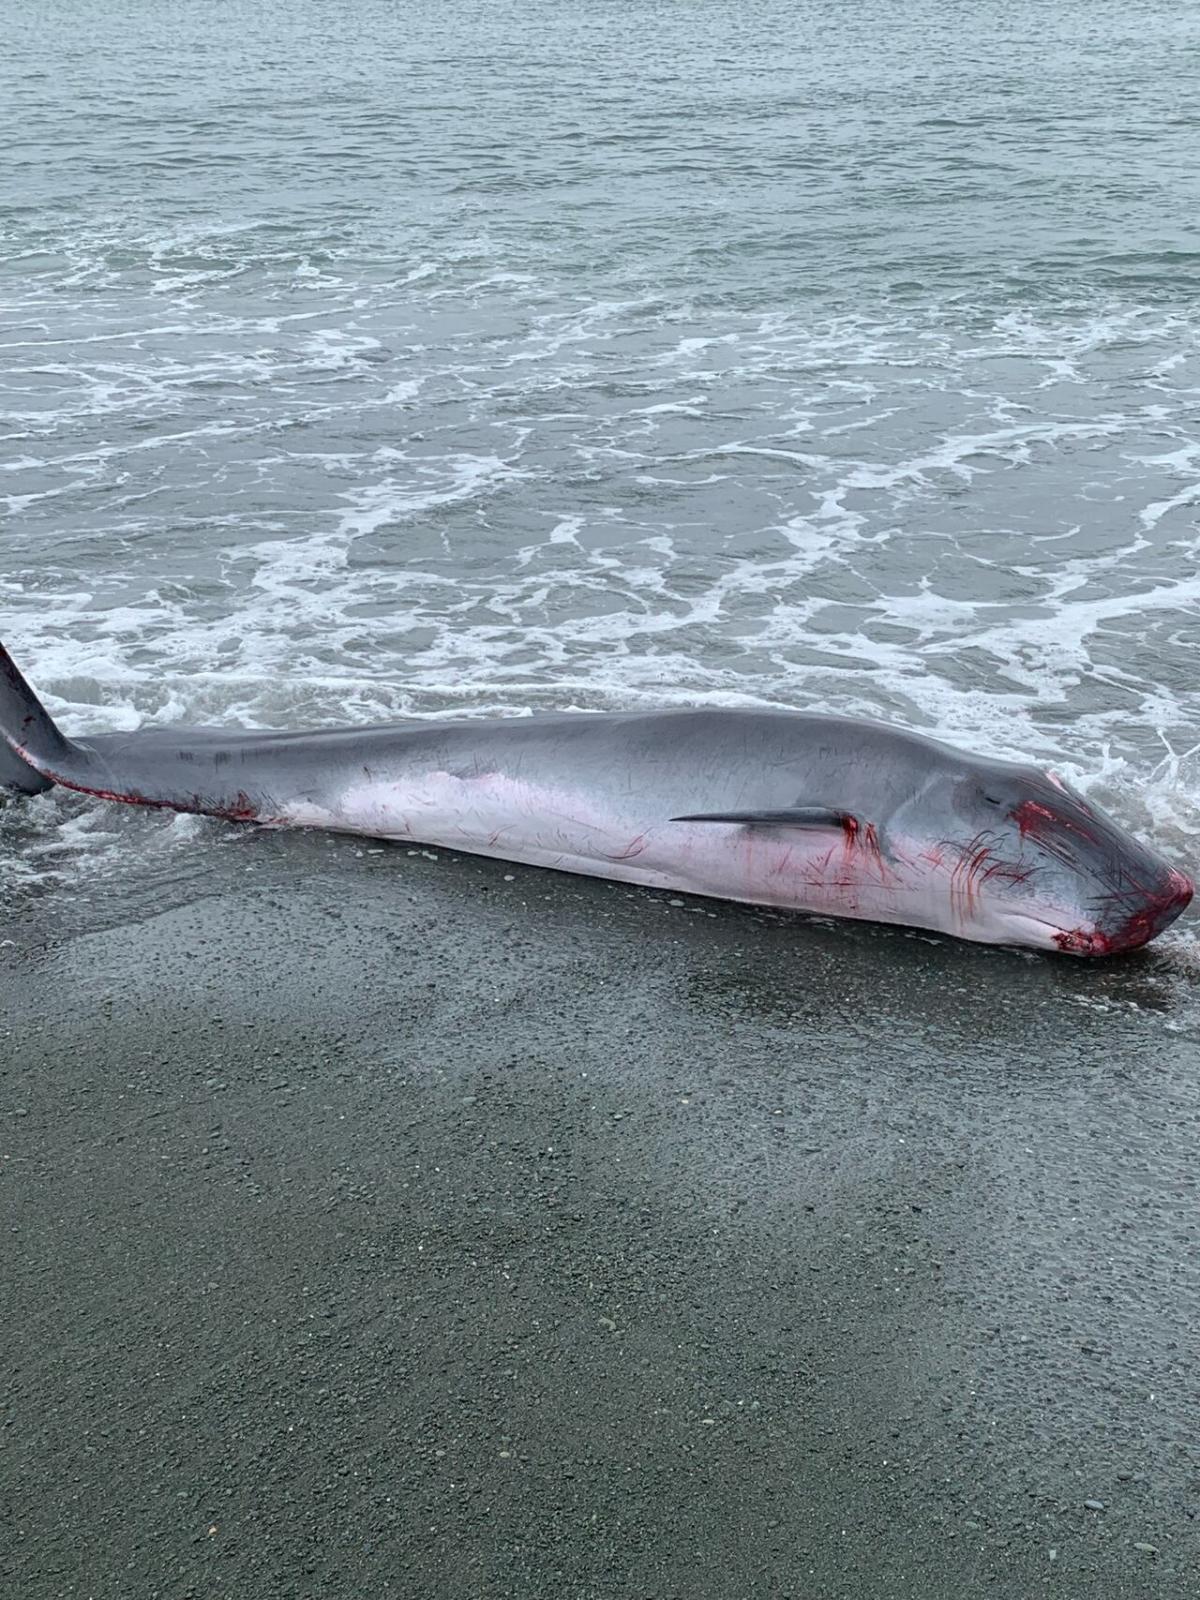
1028, 861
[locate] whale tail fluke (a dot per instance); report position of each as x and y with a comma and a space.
32, 747
206, 773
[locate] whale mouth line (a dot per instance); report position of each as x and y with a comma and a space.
1090, 938
1081, 940
1085, 942
1071, 939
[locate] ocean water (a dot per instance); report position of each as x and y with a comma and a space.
389, 359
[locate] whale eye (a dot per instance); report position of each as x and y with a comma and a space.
991, 799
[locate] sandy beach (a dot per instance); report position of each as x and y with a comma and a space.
377, 1224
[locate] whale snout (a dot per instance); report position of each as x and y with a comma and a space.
1133, 925
1105, 890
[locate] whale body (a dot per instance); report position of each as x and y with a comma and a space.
825, 814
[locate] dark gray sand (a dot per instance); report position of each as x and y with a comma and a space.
379, 1225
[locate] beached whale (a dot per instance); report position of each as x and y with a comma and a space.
815, 813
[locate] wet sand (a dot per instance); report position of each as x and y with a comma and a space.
378, 1225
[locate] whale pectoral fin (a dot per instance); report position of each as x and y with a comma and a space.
795, 817
859, 836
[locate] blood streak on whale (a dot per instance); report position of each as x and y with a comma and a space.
239, 809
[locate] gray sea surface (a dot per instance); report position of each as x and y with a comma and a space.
367, 361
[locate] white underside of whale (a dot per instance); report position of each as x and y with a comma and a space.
820, 871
